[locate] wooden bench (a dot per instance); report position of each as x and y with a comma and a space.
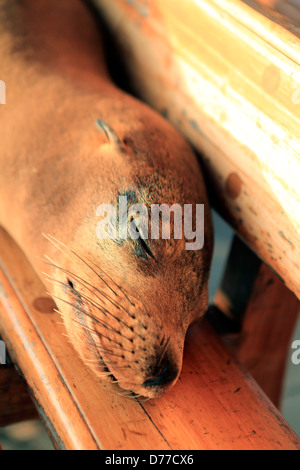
215, 405
200, 76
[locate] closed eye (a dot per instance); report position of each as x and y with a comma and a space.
141, 241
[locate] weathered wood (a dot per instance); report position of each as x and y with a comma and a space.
237, 282
228, 78
262, 314
268, 327
286, 12
15, 402
214, 405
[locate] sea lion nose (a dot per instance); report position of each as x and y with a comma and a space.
163, 374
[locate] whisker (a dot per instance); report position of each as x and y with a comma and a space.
133, 395
106, 351
119, 287
125, 394
93, 317
49, 237
89, 315
103, 336
99, 307
102, 309
120, 394
105, 364
83, 281
107, 326
105, 311
116, 367
97, 274
56, 243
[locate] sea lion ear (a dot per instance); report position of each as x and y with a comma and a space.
110, 134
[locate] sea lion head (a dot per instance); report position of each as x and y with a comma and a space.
127, 301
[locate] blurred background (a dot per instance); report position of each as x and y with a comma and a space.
32, 435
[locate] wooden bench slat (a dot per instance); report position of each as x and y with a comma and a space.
46, 384
264, 313
268, 328
215, 395
214, 405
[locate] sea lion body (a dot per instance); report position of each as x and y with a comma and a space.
126, 304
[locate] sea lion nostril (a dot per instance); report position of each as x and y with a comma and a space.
167, 374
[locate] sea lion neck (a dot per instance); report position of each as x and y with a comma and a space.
50, 35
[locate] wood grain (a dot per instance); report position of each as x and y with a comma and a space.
214, 405
261, 315
268, 326
283, 11
229, 79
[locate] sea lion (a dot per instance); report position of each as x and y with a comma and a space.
126, 304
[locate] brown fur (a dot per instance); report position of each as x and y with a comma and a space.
123, 312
